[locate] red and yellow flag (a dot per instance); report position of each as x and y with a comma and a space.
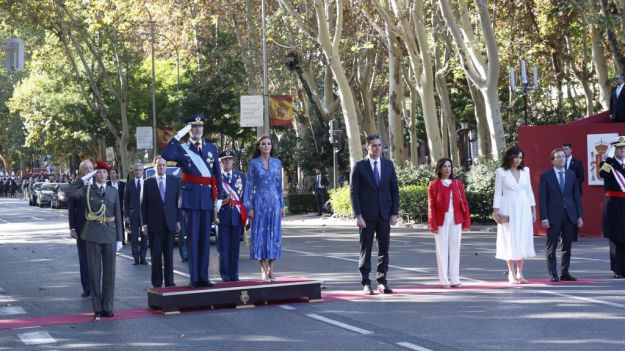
163, 136
281, 110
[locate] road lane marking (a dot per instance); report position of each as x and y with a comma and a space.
37, 218
11, 310
3, 221
287, 307
420, 270
580, 298
339, 324
410, 346
150, 263
36, 338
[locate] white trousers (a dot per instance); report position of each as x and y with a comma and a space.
448, 250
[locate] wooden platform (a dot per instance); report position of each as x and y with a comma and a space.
239, 294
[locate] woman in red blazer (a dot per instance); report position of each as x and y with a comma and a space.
448, 214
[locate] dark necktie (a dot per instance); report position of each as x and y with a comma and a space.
228, 177
138, 185
197, 147
102, 190
561, 174
376, 173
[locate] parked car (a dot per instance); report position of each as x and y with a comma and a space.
44, 198
33, 192
59, 199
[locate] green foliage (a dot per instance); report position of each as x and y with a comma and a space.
341, 202
300, 202
481, 177
413, 202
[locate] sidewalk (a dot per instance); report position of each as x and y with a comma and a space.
312, 220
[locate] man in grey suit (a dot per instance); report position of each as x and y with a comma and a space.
102, 234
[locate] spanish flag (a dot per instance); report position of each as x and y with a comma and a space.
281, 110
163, 136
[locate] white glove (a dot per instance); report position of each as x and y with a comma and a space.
119, 246
182, 132
218, 205
88, 177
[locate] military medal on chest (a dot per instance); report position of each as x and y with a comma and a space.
210, 160
239, 186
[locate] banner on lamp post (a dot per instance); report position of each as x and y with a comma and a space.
281, 110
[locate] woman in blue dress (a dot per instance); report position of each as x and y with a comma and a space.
265, 207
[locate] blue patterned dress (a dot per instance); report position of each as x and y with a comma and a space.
263, 194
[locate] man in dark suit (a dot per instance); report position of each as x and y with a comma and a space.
121, 187
77, 218
374, 195
161, 219
617, 100
613, 174
560, 213
132, 215
200, 176
103, 236
574, 164
320, 189
232, 218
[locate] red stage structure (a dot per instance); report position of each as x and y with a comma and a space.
538, 141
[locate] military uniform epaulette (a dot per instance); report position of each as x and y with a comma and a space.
606, 167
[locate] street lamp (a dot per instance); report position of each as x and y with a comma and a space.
525, 86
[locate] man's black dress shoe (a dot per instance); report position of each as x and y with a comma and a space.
170, 285
185, 260
568, 278
85, 294
136, 262
192, 285
107, 314
96, 316
144, 262
617, 276
554, 278
206, 284
384, 289
367, 289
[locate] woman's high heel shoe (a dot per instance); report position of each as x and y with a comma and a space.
512, 278
520, 278
264, 276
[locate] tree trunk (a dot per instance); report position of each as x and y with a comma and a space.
482, 71
483, 132
395, 98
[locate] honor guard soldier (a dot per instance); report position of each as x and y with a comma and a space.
232, 218
102, 233
613, 174
200, 176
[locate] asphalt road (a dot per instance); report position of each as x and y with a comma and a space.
39, 279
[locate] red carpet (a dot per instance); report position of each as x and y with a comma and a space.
330, 296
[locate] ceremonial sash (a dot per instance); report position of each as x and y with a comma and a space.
236, 201
615, 194
204, 171
197, 161
619, 178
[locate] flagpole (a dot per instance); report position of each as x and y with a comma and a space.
265, 129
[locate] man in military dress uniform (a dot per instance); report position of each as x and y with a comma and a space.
200, 179
102, 234
613, 174
232, 218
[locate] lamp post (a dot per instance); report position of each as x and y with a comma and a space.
525, 86
154, 145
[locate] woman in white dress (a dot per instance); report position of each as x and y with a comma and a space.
514, 210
